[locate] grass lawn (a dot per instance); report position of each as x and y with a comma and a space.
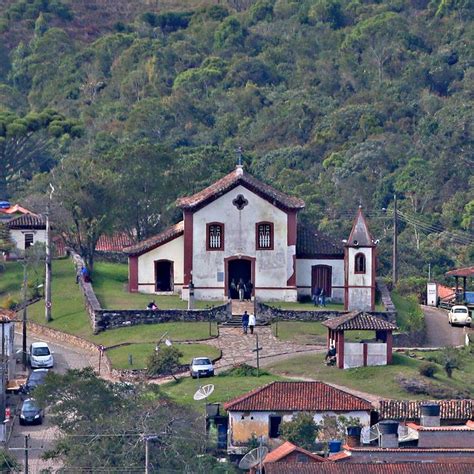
110, 286
409, 314
313, 332
309, 306
140, 353
11, 281
375, 380
226, 388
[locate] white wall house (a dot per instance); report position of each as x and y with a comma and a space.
261, 412
26, 230
239, 229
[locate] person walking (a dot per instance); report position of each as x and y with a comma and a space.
251, 322
245, 322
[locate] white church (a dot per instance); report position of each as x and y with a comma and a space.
242, 230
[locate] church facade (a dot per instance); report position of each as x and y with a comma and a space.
242, 231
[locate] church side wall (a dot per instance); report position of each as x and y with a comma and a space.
172, 250
360, 284
303, 276
272, 269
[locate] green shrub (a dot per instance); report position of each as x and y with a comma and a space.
243, 370
165, 361
428, 369
9, 302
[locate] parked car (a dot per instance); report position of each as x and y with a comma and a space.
36, 378
201, 367
459, 314
31, 413
41, 356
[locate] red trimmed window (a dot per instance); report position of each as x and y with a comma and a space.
264, 236
359, 263
215, 236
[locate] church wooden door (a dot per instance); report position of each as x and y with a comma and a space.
321, 277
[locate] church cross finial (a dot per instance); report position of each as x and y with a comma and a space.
239, 156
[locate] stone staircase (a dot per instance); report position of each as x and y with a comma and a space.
238, 308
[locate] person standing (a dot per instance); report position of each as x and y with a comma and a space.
245, 322
251, 322
249, 288
241, 288
322, 298
316, 294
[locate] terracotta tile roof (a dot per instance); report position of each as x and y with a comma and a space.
466, 427
287, 448
445, 292
28, 221
358, 320
360, 235
365, 468
6, 314
298, 396
113, 243
310, 243
15, 209
233, 179
149, 244
410, 409
466, 271
410, 450
339, 456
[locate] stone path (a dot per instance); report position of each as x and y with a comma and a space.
237, 348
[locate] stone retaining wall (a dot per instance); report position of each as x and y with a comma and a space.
267, 313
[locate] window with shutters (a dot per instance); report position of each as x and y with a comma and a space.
264, 237
360, 263
215, 236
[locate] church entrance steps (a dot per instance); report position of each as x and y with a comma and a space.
238, 307
237, 348
236, 322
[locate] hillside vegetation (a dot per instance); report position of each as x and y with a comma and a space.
338, 102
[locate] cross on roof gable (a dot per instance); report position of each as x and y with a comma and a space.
359, 321
232, 180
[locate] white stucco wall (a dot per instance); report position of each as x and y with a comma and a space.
18, 237
243, 424
303, 276
172, 250
272, 267
360, 298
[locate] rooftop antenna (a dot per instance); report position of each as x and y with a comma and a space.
254, 458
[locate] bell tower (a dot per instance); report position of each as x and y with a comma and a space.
359, 267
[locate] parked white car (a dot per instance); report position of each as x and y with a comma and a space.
41, 356
201, 367
459, 315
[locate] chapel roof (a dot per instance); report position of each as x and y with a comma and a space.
360, 321
286, 449
232, 180
149, 244
360, 234
298, 396
27, 221
311, 243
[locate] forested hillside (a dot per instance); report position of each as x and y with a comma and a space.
127, 105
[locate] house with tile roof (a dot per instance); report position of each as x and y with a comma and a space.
240, 229
261, 411
27, 229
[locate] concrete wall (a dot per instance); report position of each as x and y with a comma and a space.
272, 267
18, 236
303, 276
172, 250
359, 298
446, 439
243, 424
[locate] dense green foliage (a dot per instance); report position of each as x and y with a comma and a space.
340, 102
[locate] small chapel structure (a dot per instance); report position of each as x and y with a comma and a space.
240, 229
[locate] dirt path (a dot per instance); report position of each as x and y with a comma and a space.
438, 332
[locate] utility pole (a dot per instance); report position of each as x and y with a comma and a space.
148, 438
47, 282
257, 350
3, 394
395, 242
27, 438
24, 312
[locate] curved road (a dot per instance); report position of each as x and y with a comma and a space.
438, 331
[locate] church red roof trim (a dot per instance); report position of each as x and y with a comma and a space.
231, 181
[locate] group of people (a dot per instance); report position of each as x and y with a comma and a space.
248, 322
319, 297
83, 273
241, 290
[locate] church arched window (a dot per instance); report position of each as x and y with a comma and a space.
264, 236
215, 236
359, 266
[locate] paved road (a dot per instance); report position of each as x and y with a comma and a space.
42, 436
438, 331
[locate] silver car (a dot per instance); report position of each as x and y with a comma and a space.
201, 367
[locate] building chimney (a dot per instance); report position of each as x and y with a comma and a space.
353, 436
388, 434
430, 414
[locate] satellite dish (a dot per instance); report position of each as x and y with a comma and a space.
168, 342
203, 392
253, 458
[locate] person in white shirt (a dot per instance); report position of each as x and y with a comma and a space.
251, 322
